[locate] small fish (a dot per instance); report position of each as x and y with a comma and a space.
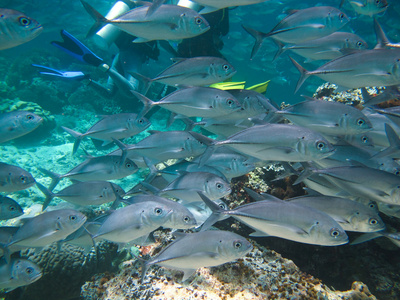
276, 142
16, 28
17, 123
325, 48
167, 22
85, 193
375, 67
275, 217
190, 252
9, 208
368, 7
326, 117
18, 272
118, 126
13, 178
351, 215
133, 221
302, 25
194, 102
194, 71
44, 229
106, 167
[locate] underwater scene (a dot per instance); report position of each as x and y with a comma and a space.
203, 149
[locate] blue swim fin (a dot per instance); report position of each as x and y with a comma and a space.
75, 48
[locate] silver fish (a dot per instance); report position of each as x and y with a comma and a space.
18, 272
9, 208
302, 25
325, 48
168, 22
44, 229
194, 71
213, 5
133, 221
275, 217
17, 123
17, 28
172, 172
13, 178
195, 102
368, 7
85, 193
107, 167
118, 126
351, 215
180, 218
276, 142
190, 252
187, 186
326, 117
376, 67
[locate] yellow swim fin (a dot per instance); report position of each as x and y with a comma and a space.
229, 85
260, 87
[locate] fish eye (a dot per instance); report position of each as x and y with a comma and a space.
230, 102
219, 186
360, 122
237, 245
198, 21
377, 1
225, 67
341, 16
320, 145
29, 270
30, 117
158, 211
364, 139
373, 221
372, 205
397, 172
360, 44
186, 219
222, 206
22, 178
141, 121
128, 165
24, 21
72, 218
335, 232
12, 208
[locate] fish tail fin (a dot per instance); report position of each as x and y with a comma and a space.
54, 176
259, 36
303, 74
147, 103
78, 138
49, 195
145, 266
394, 144
98, 17
281, 49
217, 211
146, 81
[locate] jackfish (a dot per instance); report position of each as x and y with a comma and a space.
13, 178
9, 208
18, 272
17, 123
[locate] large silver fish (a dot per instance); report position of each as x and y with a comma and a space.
195, 102
376, 67
13, 178
167, 22
351, 215
106, 167
326, 117
9, 208
276, 142
16, 28
118, 126
190, 252
44, 229
133, 221
193, 71
17, 123
275, 217
18, 272
85, 193
368, 7
327, 47
302, 25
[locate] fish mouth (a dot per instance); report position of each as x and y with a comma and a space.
37, 277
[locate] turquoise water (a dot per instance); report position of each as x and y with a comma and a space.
75, 105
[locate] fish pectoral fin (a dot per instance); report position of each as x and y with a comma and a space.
259, 233
140, 40
187, 273
356, 3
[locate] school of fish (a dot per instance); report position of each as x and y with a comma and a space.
346, 156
